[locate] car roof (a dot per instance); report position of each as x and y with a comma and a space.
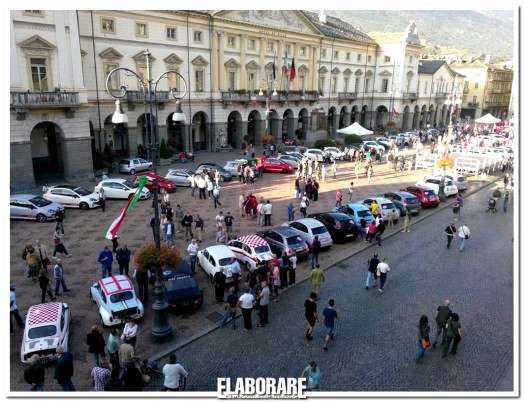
406, 194
115, 284
68, 186
358, 206
23, 196
115, 179
311, 222
220, 250
380, 200
252, 240
180, 170
285, 231
45, 313
336, 215
422, 187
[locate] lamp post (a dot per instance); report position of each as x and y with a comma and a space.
161, 330
444, 161
270, 93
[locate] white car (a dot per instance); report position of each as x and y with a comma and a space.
334, 152
232, 166
216, 258
116, 300
252, 250
72, 196
121, 188
46, 328
386, 208
309, 228
290, 160
374, 145
433, 182
315, 154
29, 206
458, 180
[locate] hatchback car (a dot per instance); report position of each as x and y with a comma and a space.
216, 258
72, 196
29, 206
334, 152
404, 201
433, 182
386, 208
163, 183
133, 165
374, 145
290, 160
252, 250
274, 165
316, 154
427, 197
297, 155
179, 176
211, 167
120, 188
116, 300
309, 228
459, 181
285, 240
47, 326
340, 226
357, 212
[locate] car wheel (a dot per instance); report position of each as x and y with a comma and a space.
41, 218
83, 205
132, 171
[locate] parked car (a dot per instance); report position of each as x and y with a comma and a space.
297, 155
427, 197
309, 228
334, 152
386, 208
133, 165
274, 165
29, 206
232, 166
290, 160
252, 250
116, 300
216, 258
182, 291
404, 201
47, 326
317, 154
163, 183
179, 177
356, 212
72, 196
433, 182
374, 145
211, 167
285, 239
458, 180
340, 226
120, 188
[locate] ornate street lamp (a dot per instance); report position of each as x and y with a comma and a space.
161, 330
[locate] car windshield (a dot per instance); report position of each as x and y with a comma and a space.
387, 206
429, 192
122, 296
362, 213
226, 261
39, 201
319, 230
129, 184
411, 200
294, 240
81, 191
262, 249
41, 332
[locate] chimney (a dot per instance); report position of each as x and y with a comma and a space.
322, 16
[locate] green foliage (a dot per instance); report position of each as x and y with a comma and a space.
327, 142
352, 139
149, 257
165, 151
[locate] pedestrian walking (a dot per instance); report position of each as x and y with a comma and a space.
290, 212
275, 281
371, 231
42, 254
219, 280
382, 272
260, 213
372, 271
370, 174
330, 315
64, 369
175, 375
235, 274
268, 209
193, 183
14, 309
450, 234
453, 335
407, 221
423, 337
443, 315
187, 223
246, 304
60, 216
192, 250
263, 304
130, 332
34, 373
463, 233
101, 376
312, 375
304, 204
126, 353
209, 185
96, 344
228, 220
113, 344
292, 268
105, 258
123, 256
334, 168
323, 172
58, 238
142, 280
169, 233
350, 191
506, 201
317, 278
314, 249
310, 306
179, 215
102, 199
241, 204
58, 275
199, 227
201, 184
338, 199
32, 261
231, 309
43, 281
216, 196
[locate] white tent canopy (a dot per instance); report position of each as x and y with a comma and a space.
356, 129
487, 119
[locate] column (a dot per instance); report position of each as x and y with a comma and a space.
314, 69
16, 81
280, 46
214, 56
262, 78
242, 71
220, 62
63, 46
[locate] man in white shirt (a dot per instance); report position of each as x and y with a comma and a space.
260, 213
463, 234
192, 182
129, 333
14, 309
268, 208
192, 250
246, 303
382, 272
173, 373
263, 305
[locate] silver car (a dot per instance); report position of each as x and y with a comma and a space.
28, 206
179, 177
290, 160
133, 165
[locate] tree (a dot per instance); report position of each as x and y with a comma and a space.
149, 257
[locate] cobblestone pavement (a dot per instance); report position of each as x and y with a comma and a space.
376, 337
84, 232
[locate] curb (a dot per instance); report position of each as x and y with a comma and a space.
209, 330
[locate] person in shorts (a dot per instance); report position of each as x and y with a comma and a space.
310, 306
330, 315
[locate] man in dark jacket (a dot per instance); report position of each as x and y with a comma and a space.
123, 256
96, 343
372, 270
381, 227
450, 233
187, 223
142, 279
220, 285
34, 374
64, 369
443, 314
315, 251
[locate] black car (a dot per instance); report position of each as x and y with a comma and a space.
211, 166
340, 226
182, 291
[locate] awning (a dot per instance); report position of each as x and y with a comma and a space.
355, 129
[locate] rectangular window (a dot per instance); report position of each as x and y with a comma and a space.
141, 29
321, 83
33, 12
251, 44
270, 47
346, 84
367, 81
231, 41
232, 80
385, 83
359, 57
108, 25
251, 81
39, 74
171, 33
197, 36
387, 59
334, 82
357, 84
335, 55
114, 81
172, 79
411, 59
369, 58
199, 80
303, 51
476, 85
426, 88
348, 56
323, 53
302, 82
466, 85
288, 50
474, 99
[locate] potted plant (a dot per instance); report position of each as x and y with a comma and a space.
149, 257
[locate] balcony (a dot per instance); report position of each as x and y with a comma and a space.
409, 96
347, 96
134, 97
240, 96
473, 104
243, 96
22, 101
441, 96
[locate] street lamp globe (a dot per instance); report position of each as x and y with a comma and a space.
118, 116
178, 115
275, 92
260, 93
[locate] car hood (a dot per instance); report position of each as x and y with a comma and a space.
124, 305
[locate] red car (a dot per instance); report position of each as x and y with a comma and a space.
163, 183
425, 195
273, 165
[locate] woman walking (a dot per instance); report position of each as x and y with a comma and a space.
423, 337
453, 334
312, 375
43, 280
58, 236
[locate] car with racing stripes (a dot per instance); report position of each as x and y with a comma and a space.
252, 250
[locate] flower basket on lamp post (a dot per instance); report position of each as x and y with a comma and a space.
444, 163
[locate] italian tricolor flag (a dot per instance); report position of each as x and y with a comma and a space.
117, 223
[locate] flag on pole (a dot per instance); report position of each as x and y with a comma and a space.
284, 67
274, 67
117, 223
292, 70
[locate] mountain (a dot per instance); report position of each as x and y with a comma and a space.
484, 31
